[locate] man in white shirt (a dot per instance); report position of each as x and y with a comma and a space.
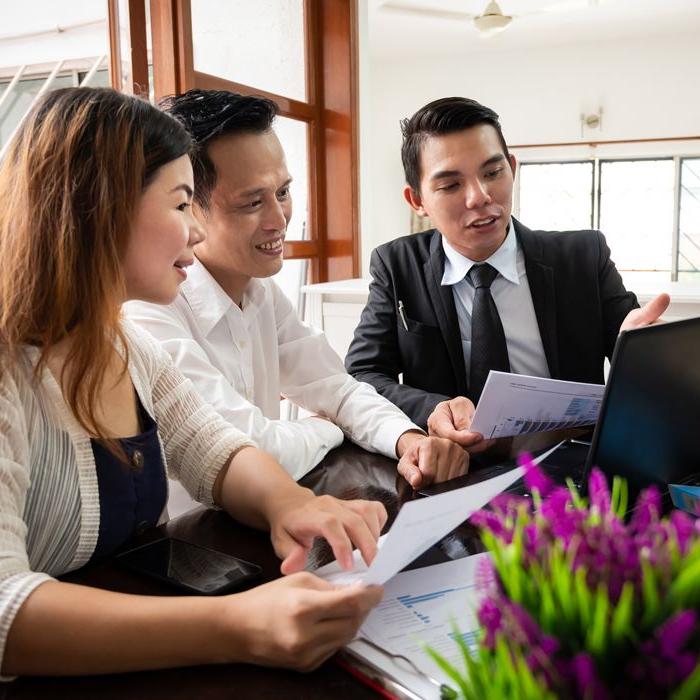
234, 333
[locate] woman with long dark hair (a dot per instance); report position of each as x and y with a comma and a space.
96, 191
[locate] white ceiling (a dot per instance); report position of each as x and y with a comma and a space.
536, 23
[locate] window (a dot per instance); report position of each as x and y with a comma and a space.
557, 195
648, 209
689, 225
636, 213
301, 54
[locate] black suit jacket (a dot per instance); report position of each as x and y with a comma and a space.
578, 295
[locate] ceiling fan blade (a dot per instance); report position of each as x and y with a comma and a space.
418, 11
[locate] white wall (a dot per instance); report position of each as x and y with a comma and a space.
647, 89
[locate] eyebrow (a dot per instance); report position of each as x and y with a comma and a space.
261, 190
440, 174
185, 188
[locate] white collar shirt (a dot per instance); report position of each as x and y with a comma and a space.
511, 294
243, 359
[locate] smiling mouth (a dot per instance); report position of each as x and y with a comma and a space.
271, 246
481, 223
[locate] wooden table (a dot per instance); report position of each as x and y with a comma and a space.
347, 472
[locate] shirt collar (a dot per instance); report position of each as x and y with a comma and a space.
504, 260
209, 302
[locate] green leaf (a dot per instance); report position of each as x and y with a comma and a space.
690, 689
584, 598
621, 624
449, 670
579, 503
596, 637
685, 590
650, 594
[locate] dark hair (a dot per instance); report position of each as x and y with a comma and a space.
209, 114
70, 184
443, 116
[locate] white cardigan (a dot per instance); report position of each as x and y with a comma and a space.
49, 500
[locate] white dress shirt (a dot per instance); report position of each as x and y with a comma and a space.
243, 360
511, 294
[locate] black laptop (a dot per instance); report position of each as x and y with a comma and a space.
648, 430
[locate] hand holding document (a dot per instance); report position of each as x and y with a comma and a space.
419, 525
513, 404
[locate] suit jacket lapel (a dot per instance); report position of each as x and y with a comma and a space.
444, 305
540, 277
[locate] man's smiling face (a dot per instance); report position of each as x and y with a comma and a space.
466, 188
250, 206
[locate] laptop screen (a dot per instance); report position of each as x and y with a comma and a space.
649, 425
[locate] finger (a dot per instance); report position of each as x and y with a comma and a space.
410, 472
654, 308
440, 421
305, 579
481, 446
428, 459
462, 410
361, 536
347, 602
464, 438
295, 560
460, 465
373, 512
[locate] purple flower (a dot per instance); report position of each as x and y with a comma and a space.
598, 491
675, 633
586, 677
684, 527
535, 478
485, 577
490, 619
647, 510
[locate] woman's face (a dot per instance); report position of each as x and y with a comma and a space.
163, 235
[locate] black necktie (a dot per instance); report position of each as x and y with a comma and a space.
489, 349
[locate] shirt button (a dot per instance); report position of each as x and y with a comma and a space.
137, 459
142, 527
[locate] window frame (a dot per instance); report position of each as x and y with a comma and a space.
330, 112
597, 190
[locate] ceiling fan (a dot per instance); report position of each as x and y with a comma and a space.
491, 21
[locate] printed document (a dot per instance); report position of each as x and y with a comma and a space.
419, 525
514, 404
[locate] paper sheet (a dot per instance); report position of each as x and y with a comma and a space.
419, 525
513, 404
418, 608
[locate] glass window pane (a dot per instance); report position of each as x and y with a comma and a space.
636, 213
259, 43
293, 136
291, 278
556, 196
43, 35
689, 242
20, 101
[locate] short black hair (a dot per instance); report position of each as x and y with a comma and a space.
209, 114
444, 116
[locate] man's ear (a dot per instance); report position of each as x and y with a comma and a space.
414, 199
513, 163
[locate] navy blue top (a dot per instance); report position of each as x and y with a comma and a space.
133, 495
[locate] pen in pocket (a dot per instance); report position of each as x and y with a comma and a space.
401, 313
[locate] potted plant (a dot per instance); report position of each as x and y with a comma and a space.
579, 602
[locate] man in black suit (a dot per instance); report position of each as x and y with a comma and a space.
481, 291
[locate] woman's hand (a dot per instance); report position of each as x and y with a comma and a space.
297, 521
295, 622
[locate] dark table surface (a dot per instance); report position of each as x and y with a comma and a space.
346, 472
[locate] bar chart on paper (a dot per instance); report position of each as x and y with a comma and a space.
422, 607
514, 404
